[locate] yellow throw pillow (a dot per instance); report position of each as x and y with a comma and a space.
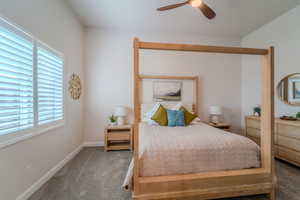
188, 116
161, 116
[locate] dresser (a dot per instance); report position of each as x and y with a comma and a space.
286, 138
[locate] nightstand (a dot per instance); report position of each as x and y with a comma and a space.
223, 126
118, 138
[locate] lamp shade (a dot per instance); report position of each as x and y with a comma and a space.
215, 110
120, 111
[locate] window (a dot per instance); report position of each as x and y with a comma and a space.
31, 81
50, 86
16, 82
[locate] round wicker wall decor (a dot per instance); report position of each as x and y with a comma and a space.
75, 86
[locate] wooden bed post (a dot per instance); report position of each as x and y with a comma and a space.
137, 115
196, 82
267, 122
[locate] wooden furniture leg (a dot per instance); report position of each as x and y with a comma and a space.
105, 140
272, 195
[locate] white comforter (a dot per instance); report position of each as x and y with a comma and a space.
192, 149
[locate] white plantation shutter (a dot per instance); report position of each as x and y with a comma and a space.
16, 80
50, 85
31, 82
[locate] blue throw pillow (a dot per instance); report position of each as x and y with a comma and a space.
175, 118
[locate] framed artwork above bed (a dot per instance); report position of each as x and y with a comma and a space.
167, 91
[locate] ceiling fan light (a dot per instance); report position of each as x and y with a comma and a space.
196, 3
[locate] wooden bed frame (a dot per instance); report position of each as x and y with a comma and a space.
219, 184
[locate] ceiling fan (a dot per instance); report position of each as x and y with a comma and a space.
207, 11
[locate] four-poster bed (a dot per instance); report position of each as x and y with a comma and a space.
216, 184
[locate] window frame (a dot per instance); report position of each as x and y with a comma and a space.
21, 135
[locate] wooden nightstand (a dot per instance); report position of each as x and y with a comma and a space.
118, 138
223, 126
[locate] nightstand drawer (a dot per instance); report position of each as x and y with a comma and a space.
253, 132
119, 135
252, 123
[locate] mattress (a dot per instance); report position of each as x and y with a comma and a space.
193, 149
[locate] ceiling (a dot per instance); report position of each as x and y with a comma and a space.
235, 18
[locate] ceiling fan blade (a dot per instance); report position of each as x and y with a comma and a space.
172, 6
207, 11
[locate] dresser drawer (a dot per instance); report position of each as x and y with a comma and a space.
252, 123
288, 131
253, 132
288, 142
288, 155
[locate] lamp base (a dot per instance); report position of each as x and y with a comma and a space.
121, 121
215, 119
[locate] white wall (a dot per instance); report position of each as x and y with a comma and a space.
284, 34
109, 82
24, 163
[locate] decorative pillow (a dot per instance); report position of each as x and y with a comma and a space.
188, 117
175, 118
160, 116
149, 114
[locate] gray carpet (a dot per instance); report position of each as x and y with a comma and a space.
97, 175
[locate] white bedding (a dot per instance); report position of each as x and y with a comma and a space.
192, 149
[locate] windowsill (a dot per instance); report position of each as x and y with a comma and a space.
32, 133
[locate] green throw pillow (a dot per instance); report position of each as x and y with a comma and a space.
188, 117
161, 116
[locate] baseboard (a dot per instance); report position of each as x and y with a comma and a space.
93, 144
37, 185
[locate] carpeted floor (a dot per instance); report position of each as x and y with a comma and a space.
97, 175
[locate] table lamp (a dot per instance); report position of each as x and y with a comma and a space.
121, 112
215, 113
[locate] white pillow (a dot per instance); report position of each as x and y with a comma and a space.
147, 117
197, 120
177, 106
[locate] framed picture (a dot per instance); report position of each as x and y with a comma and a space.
167, 90
296, 90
